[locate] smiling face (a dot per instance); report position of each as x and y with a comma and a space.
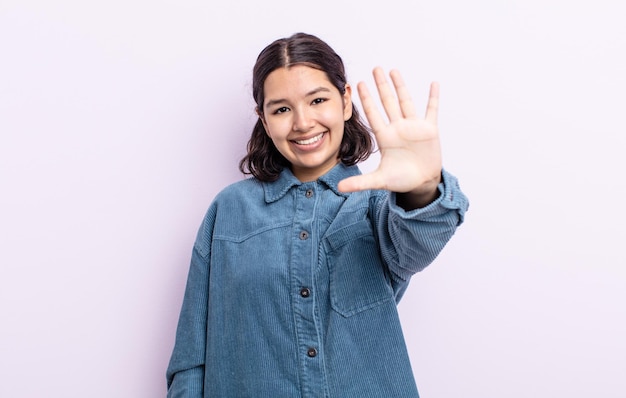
304, 115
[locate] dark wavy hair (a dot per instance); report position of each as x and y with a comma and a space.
263, 160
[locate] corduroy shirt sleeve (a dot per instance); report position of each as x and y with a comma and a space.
411, 240
185, 373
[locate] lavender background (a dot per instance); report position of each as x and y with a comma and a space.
120, 120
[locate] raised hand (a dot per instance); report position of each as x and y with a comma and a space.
410, 152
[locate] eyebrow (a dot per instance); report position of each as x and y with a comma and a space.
310, 93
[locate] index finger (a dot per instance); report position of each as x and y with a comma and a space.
372, 114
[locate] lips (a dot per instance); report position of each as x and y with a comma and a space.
311, 140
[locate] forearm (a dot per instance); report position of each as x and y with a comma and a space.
185, 372
411, 240
187, 383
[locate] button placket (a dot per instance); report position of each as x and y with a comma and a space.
302, 282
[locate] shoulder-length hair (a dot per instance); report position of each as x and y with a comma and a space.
263, 160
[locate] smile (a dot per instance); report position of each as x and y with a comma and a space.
310, 141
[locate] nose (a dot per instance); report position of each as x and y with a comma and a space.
303, 120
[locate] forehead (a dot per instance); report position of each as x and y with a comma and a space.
296, 80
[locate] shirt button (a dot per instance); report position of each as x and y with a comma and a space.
309, 193
304, 235
311, 352
305, 292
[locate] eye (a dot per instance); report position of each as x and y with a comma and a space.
318, 101
280, 110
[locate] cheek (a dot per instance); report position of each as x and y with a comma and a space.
329, 116
276, 129
337, 118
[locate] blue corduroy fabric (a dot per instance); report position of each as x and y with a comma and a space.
293, 287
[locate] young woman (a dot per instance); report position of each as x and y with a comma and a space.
296, 272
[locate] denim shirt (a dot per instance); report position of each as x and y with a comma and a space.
293, 286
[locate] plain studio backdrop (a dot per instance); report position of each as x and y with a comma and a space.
120, 121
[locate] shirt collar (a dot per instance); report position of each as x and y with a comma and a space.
277, 189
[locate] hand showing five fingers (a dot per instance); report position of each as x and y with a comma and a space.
410, 153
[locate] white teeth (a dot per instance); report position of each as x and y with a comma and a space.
310, 140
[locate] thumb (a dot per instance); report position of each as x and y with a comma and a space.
361, 183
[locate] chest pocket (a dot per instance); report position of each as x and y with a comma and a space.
358, 280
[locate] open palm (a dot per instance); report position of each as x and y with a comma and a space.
410, 151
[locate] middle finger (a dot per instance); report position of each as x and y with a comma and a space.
387, 96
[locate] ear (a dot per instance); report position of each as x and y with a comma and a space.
262, 119
347, 103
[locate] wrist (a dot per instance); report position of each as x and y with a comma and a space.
421, 197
